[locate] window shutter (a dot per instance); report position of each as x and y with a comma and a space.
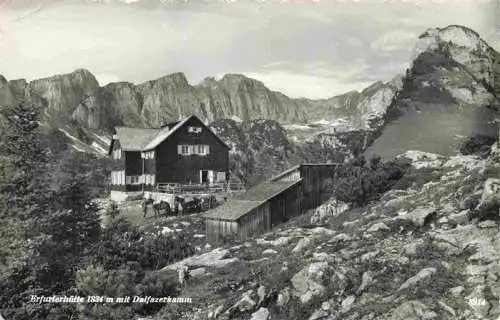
207, 149
152, 179
179, 149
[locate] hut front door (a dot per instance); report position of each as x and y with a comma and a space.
203, 176
206, 176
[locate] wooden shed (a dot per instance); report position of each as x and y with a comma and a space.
256, 211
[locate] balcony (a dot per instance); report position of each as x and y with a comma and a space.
177, 188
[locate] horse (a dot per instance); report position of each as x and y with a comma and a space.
193, 206
208, 202
161, 207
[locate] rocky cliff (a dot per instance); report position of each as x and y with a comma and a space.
449, 92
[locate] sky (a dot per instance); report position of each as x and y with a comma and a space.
308, 48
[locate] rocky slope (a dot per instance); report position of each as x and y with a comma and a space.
450, 92
424, 251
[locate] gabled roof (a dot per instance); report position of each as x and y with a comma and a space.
138, 139
166, 132
135, 139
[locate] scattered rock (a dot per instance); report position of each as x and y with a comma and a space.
261, 314
460, 218
369, 255
366, 280
269, 251
304, 244
378, 227
283, 297
487, 224
308, 282
421, 275
412, 310
331, 208
447, 308
319, 314
347, 303
478, 302
197, 272
420, 216
214, 258
261, 293
245, 304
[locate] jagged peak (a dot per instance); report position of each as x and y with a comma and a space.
456, 35
178, 78
3, 79
450, 28
236, 78
79, 73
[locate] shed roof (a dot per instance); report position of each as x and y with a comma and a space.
267, 190
134, 139
250, 200
233, 209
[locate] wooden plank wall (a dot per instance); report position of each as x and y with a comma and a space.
216, 230
315, 179
255, 222
286, 205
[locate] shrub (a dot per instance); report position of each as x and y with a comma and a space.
415, 178
476, 144
359, 182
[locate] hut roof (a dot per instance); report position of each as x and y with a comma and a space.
233, 209
267, 190
134, 139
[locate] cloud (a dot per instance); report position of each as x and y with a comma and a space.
395, 40
305, 85
308, 49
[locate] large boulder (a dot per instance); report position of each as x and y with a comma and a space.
308, 283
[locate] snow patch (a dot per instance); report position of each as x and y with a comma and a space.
100, 149
236, 118
78, 149
103, 139
69, 135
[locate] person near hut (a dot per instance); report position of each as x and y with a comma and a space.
145, 201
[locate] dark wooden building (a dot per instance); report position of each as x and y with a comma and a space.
182, 152
271, 203
258, 210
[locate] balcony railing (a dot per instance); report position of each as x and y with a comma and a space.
177, 188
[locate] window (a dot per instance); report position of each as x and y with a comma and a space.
183, 149
148, 155
194, 129
202, 149
221, 176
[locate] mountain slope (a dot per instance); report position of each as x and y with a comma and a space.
449, 93
424, 251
